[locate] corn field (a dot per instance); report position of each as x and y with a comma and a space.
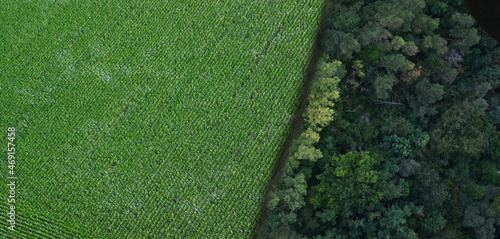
148, 119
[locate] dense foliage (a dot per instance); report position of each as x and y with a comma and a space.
411, 147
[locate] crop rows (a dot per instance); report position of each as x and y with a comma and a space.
35, 225
157, 119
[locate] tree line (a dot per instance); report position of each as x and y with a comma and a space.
401, 134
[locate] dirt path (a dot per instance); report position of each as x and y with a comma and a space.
297, 120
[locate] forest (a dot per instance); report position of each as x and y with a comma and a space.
401, 134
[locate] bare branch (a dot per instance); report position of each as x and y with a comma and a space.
382, 102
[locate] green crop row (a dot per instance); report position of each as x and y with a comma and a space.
151, 119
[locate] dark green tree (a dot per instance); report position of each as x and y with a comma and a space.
460, 131
404, 146
439, 8
433, 222
474, 190
494, 108
426, 94
394, 62
482, 217
370, 55
436, 43
383, 86
463, 32
393, 224
428, 190
348, 184
408, 167
340, 45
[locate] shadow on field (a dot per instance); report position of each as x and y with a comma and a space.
297, 120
